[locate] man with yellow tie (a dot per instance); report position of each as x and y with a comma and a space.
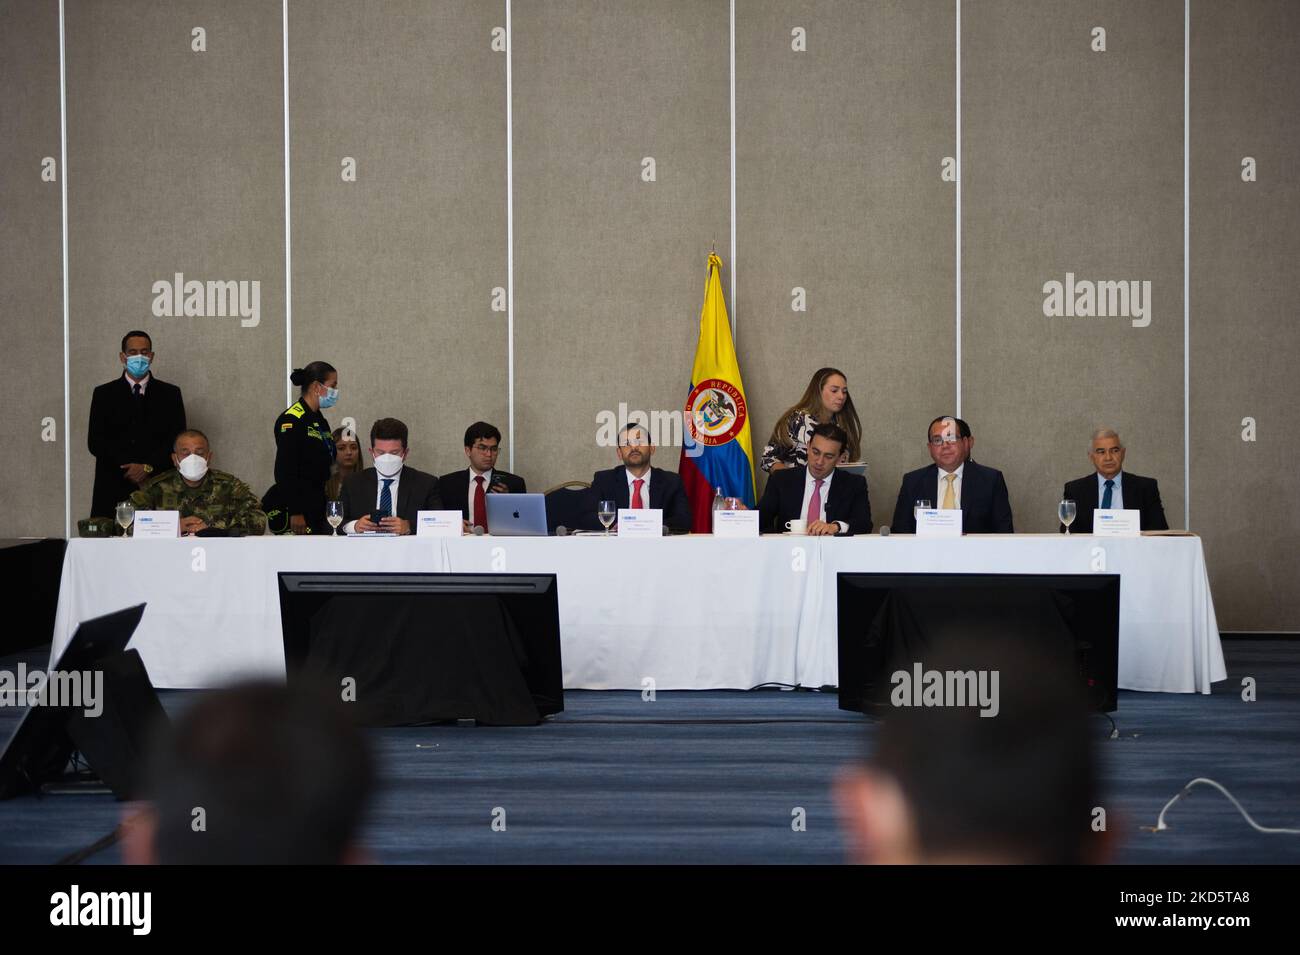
955, 482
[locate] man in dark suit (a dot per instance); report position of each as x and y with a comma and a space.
389, 487
134, 420
467, 489
1110, 486
955, 481
635, 484
831, 501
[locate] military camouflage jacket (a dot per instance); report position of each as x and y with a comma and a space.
221, 501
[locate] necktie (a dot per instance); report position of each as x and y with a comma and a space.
636, 494
1105, 498
815, 502
136, 389
480, 504
386, 497
949, 498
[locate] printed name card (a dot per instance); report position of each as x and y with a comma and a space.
1112, 523
642, 522
156, 525
735, 523
439, 524
936, 522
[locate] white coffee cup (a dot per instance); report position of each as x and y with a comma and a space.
797, 527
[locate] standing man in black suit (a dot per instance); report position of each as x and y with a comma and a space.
468, 489
1110, 486
389, 487
833, 502
134, 420
955, 481
635, 484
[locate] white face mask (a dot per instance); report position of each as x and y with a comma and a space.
193, 467
388, 465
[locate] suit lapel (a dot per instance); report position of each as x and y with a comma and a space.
403, 494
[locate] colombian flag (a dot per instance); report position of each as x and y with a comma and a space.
716, 448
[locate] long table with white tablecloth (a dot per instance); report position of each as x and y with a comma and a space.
693, 612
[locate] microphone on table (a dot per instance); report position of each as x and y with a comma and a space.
478, 531
884, 530
561, 531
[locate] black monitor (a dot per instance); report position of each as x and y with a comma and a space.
114, 741
886, 621
421, 648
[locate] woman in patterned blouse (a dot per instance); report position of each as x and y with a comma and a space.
825, 399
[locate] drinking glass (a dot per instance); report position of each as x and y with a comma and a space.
125, 515
607, 511
334, 514
1066, 511
919, 506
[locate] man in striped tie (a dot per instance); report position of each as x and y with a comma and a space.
388, 497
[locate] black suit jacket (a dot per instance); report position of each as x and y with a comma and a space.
1140, 494
416, 491
846, 500
454, 488
666, 492
129, 430
985, 506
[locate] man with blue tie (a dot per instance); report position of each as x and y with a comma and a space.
954, 482
389, 488
1111, 488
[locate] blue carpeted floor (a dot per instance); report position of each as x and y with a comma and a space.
713, 777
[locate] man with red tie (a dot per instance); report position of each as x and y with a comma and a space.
831, 501
468, 489
635, 484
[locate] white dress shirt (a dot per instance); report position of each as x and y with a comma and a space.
809, 484
645, 488
943, 486
131, 382
1116, 493
350, 526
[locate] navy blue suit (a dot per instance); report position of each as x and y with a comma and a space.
985, 506
1140, 494
666, 493
846, 500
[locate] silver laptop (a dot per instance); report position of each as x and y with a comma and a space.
516, 515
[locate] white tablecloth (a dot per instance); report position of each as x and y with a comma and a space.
686, 612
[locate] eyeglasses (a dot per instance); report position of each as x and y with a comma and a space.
938, 440
487, 449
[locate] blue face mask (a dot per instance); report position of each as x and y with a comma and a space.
137, 365
330, 398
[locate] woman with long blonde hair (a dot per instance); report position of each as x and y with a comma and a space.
825, 400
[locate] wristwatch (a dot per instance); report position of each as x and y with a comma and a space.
148, 469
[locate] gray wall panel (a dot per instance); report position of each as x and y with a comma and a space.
31, 269
839, 154
1245, 243
610, 269
1072, 164
176, 164
393, 273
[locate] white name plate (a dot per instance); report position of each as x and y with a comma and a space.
641, 522
735, 523
936, 522
439, 524
1113, 523
156, 525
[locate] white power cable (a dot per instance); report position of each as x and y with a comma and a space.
1160, 822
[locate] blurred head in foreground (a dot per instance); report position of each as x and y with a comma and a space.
255, 774
946, 785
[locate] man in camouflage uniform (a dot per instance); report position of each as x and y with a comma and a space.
206, 498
